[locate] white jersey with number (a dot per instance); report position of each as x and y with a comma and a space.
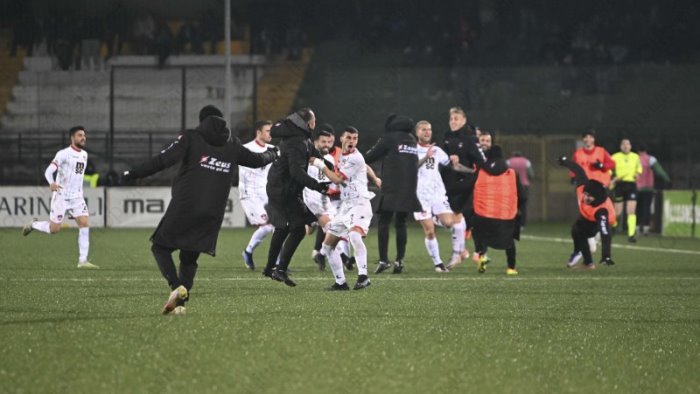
71, 165
430, 185
252, 182
353, 170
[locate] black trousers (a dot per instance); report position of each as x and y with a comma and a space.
383, 234
283, 244
581, 231
644, 200
188, 266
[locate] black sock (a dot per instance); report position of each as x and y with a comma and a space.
165, 262
188, 268
510, 255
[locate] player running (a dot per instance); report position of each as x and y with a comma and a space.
433, 198
628, 167
67, 194
320, 204
353, 218
252, 193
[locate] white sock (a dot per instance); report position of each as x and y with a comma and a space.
433, 250
44, 227
335, 262
258, 236
458, 236
343, 247
592, 244
83, 243
360, 252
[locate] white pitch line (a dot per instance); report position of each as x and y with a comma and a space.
621, 246
584, 276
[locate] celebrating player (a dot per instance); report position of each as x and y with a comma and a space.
433, 198
319, 204
353, 218
596, 215
67, 196
595, 162
251, 188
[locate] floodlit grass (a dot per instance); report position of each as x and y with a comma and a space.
634, 327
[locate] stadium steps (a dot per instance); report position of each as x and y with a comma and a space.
9, 70
278, 87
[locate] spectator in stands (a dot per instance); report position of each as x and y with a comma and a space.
163, 44
143, 32
189, 39
90, 36
523, 168
115, 31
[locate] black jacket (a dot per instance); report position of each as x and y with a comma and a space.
201, 188
397, 148
465, 145
288, 175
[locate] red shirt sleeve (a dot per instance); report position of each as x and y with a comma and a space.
608, 162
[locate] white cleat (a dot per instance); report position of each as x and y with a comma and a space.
27, 229
180, 293
87, 265
574, 259
179, 310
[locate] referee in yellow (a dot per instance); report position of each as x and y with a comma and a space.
627, 168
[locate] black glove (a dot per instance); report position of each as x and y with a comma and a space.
322, 187
562, 160
597, 165
606, 261
275, 150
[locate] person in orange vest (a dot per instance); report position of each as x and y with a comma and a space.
497, 198
597, 214
595, 162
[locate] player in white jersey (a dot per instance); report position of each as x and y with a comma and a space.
320, 204
433, 198
252, 193
67, 194
354, 215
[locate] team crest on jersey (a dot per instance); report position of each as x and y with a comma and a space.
214, 164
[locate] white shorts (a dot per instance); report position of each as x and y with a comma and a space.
433, 208
75, 207
254, 208
357, 213
318, 204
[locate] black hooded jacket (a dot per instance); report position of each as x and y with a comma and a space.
465, 145
399, 170
201, 188
288, 175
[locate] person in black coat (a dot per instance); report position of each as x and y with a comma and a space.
191, 223
462, 146
397, 148
286, 181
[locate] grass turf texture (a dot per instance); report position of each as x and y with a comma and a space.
633, 327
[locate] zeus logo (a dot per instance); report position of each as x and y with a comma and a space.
213, 161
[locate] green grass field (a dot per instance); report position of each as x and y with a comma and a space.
634, 327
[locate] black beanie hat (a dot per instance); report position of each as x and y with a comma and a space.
209, 110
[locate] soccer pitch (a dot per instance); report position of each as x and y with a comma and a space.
633, 327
